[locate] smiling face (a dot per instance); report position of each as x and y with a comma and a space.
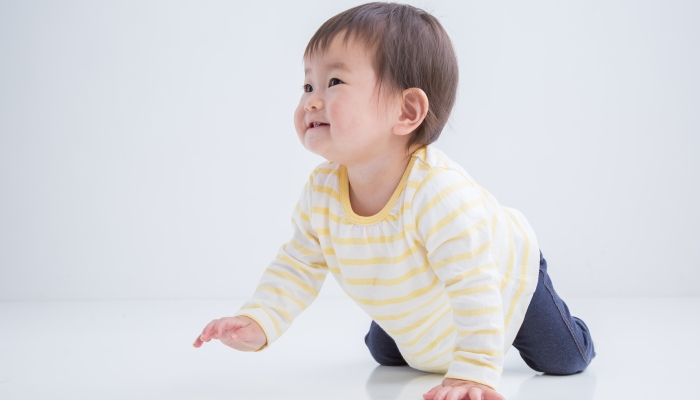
341, 116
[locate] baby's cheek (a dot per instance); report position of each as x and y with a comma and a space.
342, 118
299, 115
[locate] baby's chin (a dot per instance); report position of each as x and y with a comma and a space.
319, 145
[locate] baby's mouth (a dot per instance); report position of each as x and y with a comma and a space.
317, 125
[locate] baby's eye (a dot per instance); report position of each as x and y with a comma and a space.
307, 88
334, 80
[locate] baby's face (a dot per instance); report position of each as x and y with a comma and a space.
340, 94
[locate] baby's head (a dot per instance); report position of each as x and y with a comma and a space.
381, 78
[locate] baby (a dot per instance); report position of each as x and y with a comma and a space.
450, 277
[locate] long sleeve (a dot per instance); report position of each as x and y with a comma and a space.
452, 220
293, 279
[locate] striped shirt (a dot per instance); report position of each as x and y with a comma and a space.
443, 268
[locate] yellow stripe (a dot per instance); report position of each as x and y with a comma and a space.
338, 219
327, 190
430, 175
320, 210
421, 153
434, 343
480, 332
302, 268
449, 217
485, 352
311, 237
388, 282
420, 335
412, 184
274, 321
437, 367
343, 220
370, 239
282, 311
439, 197
327, 171
302, 214
294, 279
283, 293
329, 251
493, 224
437, 357
473, 312
472, 290
511, 258
303, 250
478, 363
413, 325
397, 317
469, 274
461, 257
523, 271
410, 296
380, 260
422, 166
331, 216
469, 231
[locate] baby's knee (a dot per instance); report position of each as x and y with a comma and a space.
562, 366
384, 353
566, 363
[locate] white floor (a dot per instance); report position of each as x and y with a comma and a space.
647, 349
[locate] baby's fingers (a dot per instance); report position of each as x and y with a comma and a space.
207, 331
244, 334
490, 394
475, 393
458, 393
226, 324
431, 393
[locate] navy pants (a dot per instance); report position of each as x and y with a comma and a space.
550, 340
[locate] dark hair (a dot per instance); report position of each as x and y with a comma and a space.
410, 49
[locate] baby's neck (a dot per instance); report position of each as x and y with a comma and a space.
372, 184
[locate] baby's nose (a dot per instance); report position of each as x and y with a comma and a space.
313, 103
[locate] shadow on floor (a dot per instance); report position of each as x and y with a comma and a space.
393, 383
580, 386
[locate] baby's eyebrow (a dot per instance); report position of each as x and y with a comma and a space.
336, 65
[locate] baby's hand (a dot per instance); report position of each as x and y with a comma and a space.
457, 389
240, 333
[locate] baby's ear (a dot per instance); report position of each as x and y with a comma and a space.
414, 107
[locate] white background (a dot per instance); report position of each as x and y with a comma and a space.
147, 149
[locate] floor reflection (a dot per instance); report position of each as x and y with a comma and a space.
394, 383
580, 386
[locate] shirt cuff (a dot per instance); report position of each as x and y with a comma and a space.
485, 375
265, 323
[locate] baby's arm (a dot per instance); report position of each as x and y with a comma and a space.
240, 333
452, 220
288, 286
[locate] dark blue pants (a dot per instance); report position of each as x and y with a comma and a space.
550, 340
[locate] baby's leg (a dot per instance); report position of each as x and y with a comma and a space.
383, 347
550, 339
